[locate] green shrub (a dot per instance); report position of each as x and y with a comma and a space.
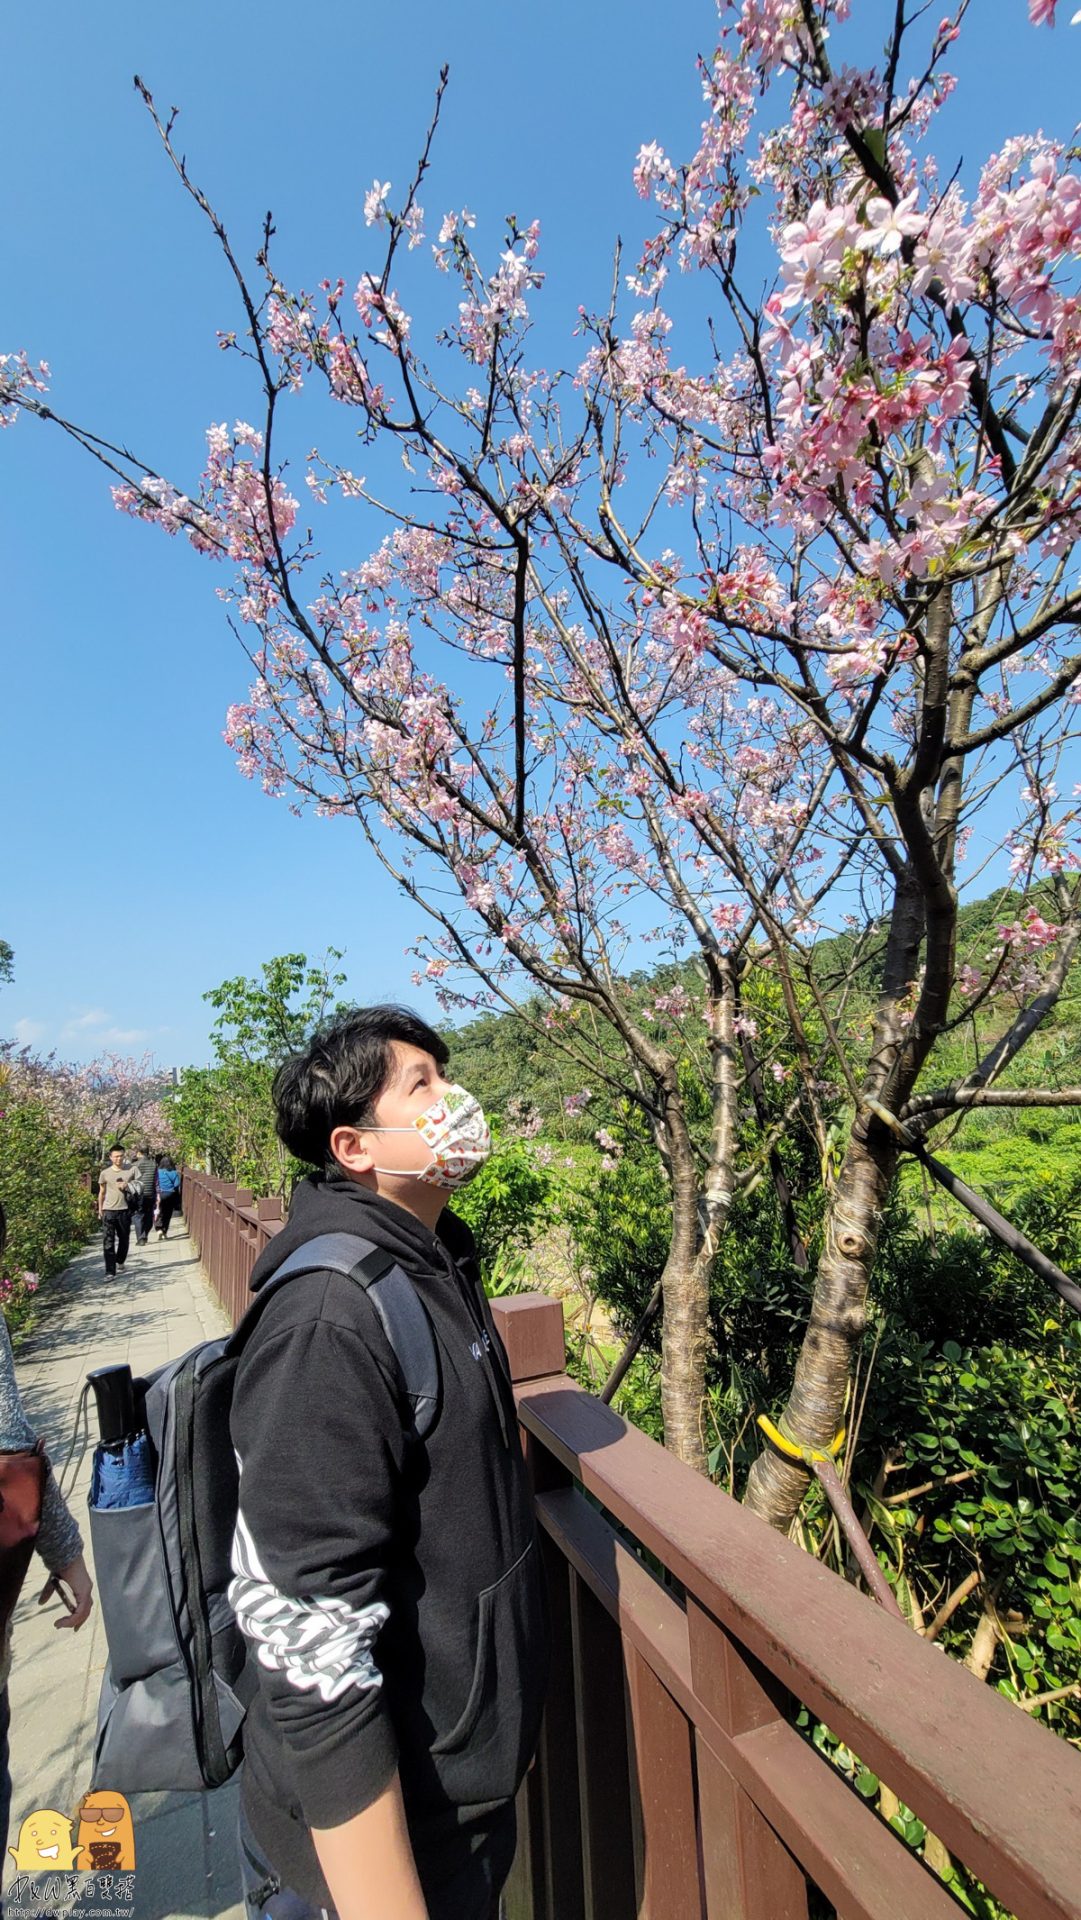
49, 1213
508, 1204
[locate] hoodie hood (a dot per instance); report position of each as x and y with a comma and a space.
336, 1204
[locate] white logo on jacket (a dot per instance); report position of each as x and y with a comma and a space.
320, 1644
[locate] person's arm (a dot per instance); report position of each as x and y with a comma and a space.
58, 1539
101, 1194
368, 1863
76, 1576
60, 1545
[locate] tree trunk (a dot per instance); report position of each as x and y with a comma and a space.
685, 1335
816, 1406
815, 1411
699, 1213
981, 1653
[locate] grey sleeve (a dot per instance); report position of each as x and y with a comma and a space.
15, 1428
59, 1539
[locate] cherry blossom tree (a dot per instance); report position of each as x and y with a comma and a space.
719, 648
117, 1097
107, 1099
113, 1097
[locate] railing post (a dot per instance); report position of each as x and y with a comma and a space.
749, 1872
269, 1210
531, 1329
546, 1881
666, 1841
600, 1658
243, 1253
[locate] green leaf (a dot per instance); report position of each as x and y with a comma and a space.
875, 141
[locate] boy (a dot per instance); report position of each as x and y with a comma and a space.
389, 1586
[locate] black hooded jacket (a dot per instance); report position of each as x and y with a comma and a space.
390, 1587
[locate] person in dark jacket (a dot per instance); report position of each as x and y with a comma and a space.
168, 1189
144, 1175
389, 1587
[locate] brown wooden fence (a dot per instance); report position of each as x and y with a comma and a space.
672, 1782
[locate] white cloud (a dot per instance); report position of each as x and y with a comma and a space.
124, 1036
27, 1031
93, 1017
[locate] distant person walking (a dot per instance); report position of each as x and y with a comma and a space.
168, 1194
134, 1195
114, 1187
144, 1174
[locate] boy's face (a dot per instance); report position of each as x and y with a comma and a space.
116, 1156
387, 1161
413, 1085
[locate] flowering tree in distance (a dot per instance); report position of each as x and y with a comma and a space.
113, 1097
721, 648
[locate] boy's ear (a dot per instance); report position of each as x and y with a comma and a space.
351, 1148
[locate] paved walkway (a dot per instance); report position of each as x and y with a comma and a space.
158, 1308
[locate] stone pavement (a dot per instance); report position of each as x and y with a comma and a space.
160, 1306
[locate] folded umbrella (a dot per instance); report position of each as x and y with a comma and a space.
122, 1474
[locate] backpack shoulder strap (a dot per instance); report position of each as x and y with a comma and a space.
401, 1311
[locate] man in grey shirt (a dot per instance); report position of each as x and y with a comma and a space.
114, 1183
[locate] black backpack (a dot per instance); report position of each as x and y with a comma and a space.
178, 1683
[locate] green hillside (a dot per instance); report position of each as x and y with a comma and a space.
1002, 1151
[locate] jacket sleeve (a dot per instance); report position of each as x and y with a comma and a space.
58, 1540
318, 1434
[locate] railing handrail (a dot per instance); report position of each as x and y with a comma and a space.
914, 1716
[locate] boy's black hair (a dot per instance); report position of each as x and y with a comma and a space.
118, 1147
338, 1078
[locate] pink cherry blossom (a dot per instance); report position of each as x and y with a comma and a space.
375, 211
888, 226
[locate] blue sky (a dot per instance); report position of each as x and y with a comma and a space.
138, 868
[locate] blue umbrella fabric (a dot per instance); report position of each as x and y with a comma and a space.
123, 1473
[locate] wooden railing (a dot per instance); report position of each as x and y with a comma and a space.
230, 1229
672, 1782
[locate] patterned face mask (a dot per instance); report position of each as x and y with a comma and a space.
457, 1135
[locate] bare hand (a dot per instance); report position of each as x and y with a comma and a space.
77, 1577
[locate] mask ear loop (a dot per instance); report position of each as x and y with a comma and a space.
404, 1173
401, 1173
